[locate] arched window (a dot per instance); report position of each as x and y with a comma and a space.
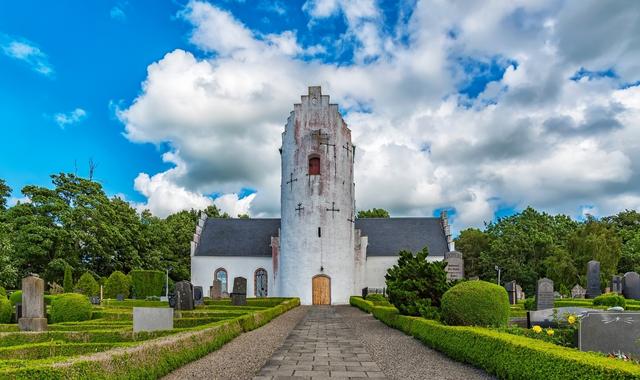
221, 274
260, 280
314, 165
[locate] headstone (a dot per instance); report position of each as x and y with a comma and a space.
120, 297
152, 319
172, 300
512, 291
33, 307
593, 279
616, 284
578, 291
631, 285
557, 294
184, 295
18, 310
520, 293
551, 317
95, 300
610, 332
239, 295
544, 294
198, 296
455, 265
215, 291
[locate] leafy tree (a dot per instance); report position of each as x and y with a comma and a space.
5, 193
561, 269
67, 284
472, 242
214, 212
596, 240
244, 216
87, 285
415, 285
373, 213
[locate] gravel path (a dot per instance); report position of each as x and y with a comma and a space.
400, 356
243, 357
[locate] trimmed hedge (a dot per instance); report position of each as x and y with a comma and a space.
508, 356
6, 310
475, 303
147, 283
361, 303
70, 307
87, 285
51, 349
16, 297
610, 300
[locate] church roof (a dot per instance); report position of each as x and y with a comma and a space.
237, 237
388, 236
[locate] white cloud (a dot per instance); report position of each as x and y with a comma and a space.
533, 137
117, 13
233, 205
69, 118
28, 53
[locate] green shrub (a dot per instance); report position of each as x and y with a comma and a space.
147, 283
378, 299
610, 299
6, 310
16, 297
476, 303
67, 283
361, 303
70, 307
530, 304
118, 283
87, 285
415, 285
3, 292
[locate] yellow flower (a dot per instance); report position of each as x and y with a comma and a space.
537, 329
550, 332
571, 319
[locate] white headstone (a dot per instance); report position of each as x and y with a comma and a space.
152, 318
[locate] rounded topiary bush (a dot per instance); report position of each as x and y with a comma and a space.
118, 283
610, 299
88, 285
16, 297
475, 303
70, 307
5, 310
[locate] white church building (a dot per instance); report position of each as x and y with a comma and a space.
318, 250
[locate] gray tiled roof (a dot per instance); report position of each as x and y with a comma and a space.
388, 236
237, 237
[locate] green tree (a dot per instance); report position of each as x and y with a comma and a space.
561, 269
373, 213
244, 216
5, 193
596, 240
87, 285
471, 243
67, 284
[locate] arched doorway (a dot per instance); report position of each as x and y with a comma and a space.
321, 286
260, 282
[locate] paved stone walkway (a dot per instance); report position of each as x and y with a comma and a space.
321, 346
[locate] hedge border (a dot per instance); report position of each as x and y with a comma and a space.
505, 355
154, 358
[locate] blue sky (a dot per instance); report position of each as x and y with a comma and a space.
530, 107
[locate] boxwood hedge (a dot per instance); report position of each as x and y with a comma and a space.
6, 310
70, 307
475, 303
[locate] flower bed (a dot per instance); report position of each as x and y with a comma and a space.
505, 355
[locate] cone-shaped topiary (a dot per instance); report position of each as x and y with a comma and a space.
5, 310
87, 285
70, 307
475, 303
67, 283
118, 283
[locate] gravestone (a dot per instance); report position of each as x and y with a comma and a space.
520, 293
33, 308
152, 319
616, 284
239, 295
215, 291
544, 294
512, 291
198, 296
455, 265
593, 279
578, 291
631, 285
120, 297
95, 300
610, 332
183, 295
18, 310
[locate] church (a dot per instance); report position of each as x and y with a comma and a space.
317, 250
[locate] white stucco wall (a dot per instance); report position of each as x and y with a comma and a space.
203, 268
377, 267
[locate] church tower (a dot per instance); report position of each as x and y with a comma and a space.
317, 260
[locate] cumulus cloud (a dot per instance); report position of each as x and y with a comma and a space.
69, 118
27, 52
533, 135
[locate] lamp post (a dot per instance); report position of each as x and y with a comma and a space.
167, 283
498, 269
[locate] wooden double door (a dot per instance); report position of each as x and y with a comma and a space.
321, 286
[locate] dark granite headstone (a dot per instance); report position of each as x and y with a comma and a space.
593, 279
18, 310
512, 291
172, 300
198, 296
544, 294
184, 295
120, 297
215, 291
631, 285
616, 284
455, 265
94, 300
610, 332
239, 295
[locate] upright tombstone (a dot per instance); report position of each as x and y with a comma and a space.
152, 319
593, 279
520, 293
616, 284
544, 294
215, 291
198, 296
578, 291
33, 308
512, 291
183, 295
631, 285
239, 295
455, 265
